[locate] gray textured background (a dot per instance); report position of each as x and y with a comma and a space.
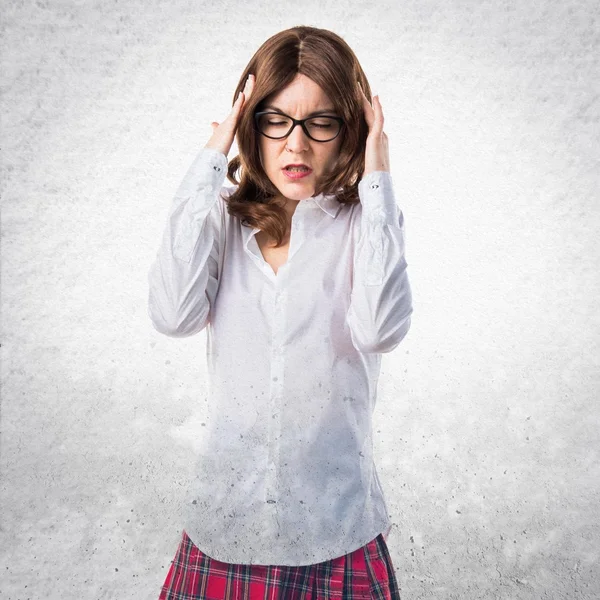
487, 420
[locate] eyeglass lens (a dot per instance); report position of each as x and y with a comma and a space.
277, 126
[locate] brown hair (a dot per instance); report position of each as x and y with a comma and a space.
326, 58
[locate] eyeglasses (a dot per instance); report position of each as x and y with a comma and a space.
277, 126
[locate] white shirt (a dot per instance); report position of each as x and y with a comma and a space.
286, 473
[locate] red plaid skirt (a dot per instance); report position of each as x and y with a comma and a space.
366, 573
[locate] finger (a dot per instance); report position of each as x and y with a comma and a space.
367, 108
378, 114
362, 94
249, 87
242, 97
237, 105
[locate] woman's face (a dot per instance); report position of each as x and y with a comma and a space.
298, 100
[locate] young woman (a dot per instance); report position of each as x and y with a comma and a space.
298, 272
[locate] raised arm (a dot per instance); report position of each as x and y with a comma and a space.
183, 280
380, 308
381, 300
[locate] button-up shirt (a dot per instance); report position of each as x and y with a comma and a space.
285, 474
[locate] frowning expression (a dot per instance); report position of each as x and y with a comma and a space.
301, 99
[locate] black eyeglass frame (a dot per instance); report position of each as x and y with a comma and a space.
295, 122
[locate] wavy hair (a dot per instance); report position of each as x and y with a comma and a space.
328, 60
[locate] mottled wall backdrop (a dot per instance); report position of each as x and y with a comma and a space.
487, 421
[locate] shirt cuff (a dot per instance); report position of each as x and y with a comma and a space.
376, 193
208, 170
204, 180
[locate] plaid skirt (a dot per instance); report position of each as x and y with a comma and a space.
367, 573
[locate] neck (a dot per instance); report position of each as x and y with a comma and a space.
288, 204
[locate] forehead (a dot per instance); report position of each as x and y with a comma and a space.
302, 94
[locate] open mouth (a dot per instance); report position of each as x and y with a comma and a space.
297, 171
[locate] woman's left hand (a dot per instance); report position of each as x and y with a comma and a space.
377, 156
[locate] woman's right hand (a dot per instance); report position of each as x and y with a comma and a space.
224, 134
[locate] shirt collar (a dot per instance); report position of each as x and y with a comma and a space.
327, 203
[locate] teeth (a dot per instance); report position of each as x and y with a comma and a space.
296, 169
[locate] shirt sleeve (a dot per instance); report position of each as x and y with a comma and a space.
183, 279
379, 314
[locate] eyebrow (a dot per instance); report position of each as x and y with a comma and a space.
312, 114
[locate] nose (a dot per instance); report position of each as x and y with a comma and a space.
297, 141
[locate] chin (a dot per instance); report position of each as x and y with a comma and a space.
298, 194
297, 190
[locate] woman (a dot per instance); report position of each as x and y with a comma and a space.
298, 272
